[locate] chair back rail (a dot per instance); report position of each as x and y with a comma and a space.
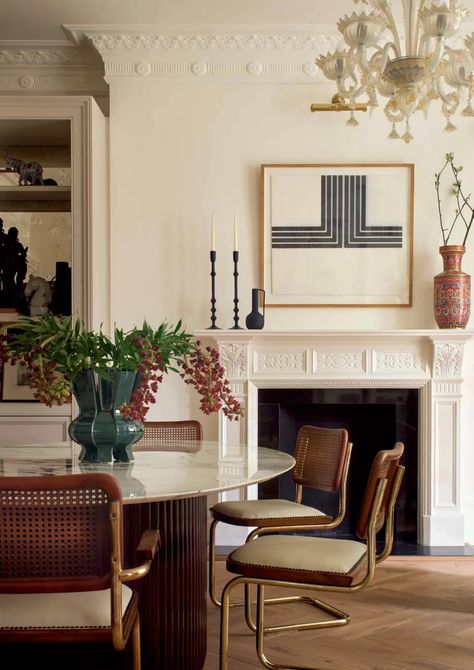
320, 455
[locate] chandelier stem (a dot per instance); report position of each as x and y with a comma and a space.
411, 9
385, 8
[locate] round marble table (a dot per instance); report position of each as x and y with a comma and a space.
165, 488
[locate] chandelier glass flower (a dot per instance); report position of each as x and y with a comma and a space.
412, 70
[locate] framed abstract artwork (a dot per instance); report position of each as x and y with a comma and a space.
337, 235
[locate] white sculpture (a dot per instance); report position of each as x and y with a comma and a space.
38, 294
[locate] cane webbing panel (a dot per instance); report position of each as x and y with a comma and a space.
168, 433
319, 455
58, 538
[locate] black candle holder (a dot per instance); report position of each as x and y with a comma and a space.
212, 256
235, 256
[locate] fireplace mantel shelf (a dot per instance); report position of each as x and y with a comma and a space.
245, 335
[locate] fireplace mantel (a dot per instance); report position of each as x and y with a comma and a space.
430, 360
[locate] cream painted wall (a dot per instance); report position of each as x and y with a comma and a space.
180, 150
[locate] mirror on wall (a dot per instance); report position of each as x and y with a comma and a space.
35, 213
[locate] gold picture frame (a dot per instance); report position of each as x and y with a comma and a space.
14, 385
337, 235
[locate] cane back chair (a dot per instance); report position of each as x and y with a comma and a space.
317, 563
61, 574
322, 458
180, 435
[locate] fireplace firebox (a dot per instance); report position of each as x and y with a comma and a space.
374, 418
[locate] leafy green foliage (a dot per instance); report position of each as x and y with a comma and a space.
55, 349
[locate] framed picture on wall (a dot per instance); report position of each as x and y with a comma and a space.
14, 384
337, 235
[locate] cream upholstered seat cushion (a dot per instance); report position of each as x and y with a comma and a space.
265, 509
84, 609
295, 552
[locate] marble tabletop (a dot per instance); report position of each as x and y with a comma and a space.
171, 472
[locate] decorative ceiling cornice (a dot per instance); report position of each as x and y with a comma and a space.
282, 41
61, 68
222, 53
42, 56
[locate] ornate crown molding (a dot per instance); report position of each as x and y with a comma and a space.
42, 56
30, 67
205, 42
226, 53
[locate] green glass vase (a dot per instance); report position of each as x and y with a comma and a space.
100, 429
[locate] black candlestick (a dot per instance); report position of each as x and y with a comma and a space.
212, 256
235, 256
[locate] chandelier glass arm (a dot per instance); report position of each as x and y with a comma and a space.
437, 54
350, 93
384, 8
447, 98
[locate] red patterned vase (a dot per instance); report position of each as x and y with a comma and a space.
452, 290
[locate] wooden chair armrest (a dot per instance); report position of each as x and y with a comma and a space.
146, 550
150, 541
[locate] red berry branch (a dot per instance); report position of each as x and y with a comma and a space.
205, 373
151, 368
55, 349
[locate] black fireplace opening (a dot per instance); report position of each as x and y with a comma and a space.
374, 418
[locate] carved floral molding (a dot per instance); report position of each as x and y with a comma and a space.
234, 359
202, 42
447, 361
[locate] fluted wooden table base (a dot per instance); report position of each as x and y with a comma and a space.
173, 596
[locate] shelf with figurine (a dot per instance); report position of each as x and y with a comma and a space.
24, 183
35, 193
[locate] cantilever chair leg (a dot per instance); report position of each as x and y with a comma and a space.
212, 564
260, 637
339, 619
136, 652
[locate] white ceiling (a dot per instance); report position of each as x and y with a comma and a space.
34, 20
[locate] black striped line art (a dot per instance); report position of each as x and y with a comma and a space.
343, 220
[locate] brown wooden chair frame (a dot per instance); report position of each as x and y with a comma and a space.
377, 510
113, 579
301, 525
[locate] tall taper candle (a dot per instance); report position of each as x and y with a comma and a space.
236, 245
213, 232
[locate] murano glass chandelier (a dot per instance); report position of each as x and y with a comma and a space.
411, 72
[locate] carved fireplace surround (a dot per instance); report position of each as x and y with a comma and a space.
429, 360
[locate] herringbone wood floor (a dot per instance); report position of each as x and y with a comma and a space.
418, 614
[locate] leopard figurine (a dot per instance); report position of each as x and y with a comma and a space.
30, 172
